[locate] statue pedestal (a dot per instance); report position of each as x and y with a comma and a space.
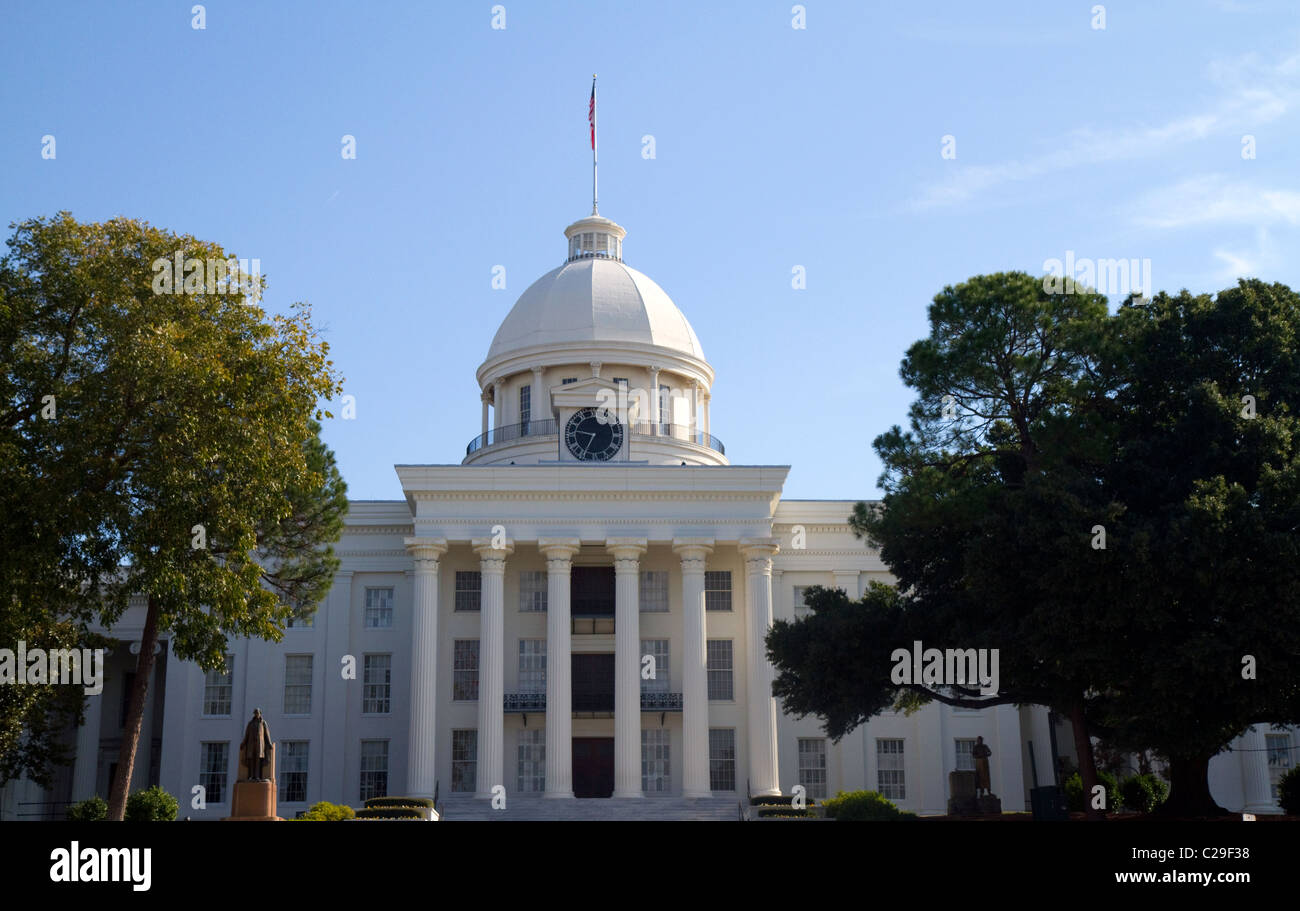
253, 800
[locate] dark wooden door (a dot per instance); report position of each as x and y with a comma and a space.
592, 591
593, 766
593, 683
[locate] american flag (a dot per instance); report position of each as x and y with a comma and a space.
591, 115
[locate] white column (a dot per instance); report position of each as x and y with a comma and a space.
491, 666
498, 400
654, 399
422, 756
627, 664
485, 400
559, 554
85, 771
695, 689
764, 766
697, 426
1256, 789
707, 425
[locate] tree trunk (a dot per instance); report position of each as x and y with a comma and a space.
1087, 762
134, 716
1189, 790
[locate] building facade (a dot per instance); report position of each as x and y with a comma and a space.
575, 610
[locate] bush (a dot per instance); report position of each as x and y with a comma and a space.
377, 802
862, 805
151, 805
94, 809
1288, 792
328, 812
1143, 793
786, 812
390, 813
1074, 796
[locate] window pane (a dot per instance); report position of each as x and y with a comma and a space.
374, 769
464, 760
654, 591
469, 590
292, 759
812, 767
532, 759
889, 769
297, 684
532, 665
464, 681
658, 650
656, 772
532, 591
377, 684
719, 669
217, 688
717, 590
722, 759
379, 608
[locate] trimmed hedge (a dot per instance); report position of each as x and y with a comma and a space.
863, 805
775, 800
786, 812
390, 813
94, 809
376, 802
328, 812
1143, 793
151, 805
1288, 792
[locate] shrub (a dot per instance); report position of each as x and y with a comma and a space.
390, 813
328, 812
1074, 796
1143, 793
863, 805
376, 802
1288, 792
151, 805
95, 809
786, 812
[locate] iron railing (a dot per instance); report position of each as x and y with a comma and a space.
680, 432
525, 702
549, 427
592, 702
661, 702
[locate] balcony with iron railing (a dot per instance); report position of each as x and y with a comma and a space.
513, 433
602, 702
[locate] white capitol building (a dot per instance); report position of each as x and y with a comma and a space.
574, 610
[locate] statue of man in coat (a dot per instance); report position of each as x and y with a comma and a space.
256, 747
980, 752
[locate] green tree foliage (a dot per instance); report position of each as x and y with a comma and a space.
1143, 793
1079, 800
183, 460
93, 809
863, 806
151, 805
328, 812
1288, 792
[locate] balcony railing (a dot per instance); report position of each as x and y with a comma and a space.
591, 624
519, 703
542, 428
661, 702
525, 702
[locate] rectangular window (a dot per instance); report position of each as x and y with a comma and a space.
464, 670
889, 769
217, 687
214, 759
665, 408
812, 766
379, 608
965, 761
297, 684
657, 649
525, 407
654, 591
532, 665
801, 609
722, 759
719, 666
532, 591
464, 760
374, 769
377, 685
717, 590
1279, 759
469, 590
532, 760
656, 773
567, 380
292, 759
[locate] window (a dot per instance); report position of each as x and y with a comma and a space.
812, 766
1279, 759
621, 381
658, 649
378, 685
801, 609
567, 380
717, 590
464, 670
532, 759
525, 408
464, 760
379, 608
374, 769
965, 761
213, 761
469, 590
293, 771
664, 406
532, 665
719, 667
889, 769
656, 773
297, 684
532, 591
217, 686
722, 759
654, 591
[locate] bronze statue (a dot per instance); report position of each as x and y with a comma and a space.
256, 747
981, 753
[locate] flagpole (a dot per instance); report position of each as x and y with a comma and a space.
593, 144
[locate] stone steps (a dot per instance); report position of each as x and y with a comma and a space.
530, 809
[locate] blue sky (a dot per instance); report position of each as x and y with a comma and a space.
774, 147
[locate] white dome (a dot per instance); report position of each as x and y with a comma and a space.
594, 299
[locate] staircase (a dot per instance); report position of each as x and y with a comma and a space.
537, 809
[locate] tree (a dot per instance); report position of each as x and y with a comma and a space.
183, 461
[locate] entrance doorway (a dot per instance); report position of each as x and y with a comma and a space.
593, 766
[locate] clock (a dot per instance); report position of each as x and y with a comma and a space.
593, 435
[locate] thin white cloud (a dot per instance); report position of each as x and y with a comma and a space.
1249, 263
1213, 198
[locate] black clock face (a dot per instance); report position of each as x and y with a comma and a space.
593, 436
